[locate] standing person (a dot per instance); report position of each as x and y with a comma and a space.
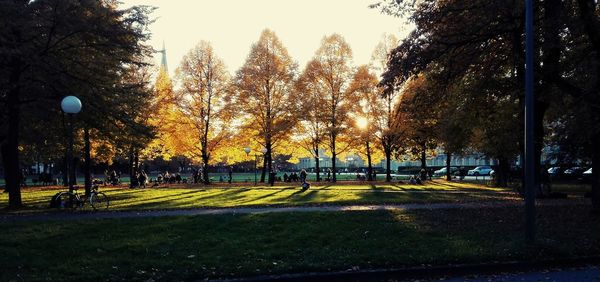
305, 184
142, 179
544, 186
303, 176
462, 172
329, 174
230, 174
423, 175
106, 177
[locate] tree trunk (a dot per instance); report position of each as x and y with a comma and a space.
370, 166
333, 166
10, 148
540, 109
67, 168
596, 178
388, 170
131, 171
502, 172
269, 157
317, 165
519, 76
10, 152
87, 166
264, 169
136, 160
448, 171
423, 157
205, 178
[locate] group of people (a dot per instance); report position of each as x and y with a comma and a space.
421, 177
170, 178
113, 178
293, 177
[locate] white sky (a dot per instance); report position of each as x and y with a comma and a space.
233, 25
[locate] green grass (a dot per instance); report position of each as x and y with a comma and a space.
225, 246
36, 199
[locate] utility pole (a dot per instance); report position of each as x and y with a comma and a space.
530, 172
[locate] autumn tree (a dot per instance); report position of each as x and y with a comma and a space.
312, 110
163, 116
265, 83
334, 73
204, 102
421, 112
52, 48
458, 37
369, 112
387, 133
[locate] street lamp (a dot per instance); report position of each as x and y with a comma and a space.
70, 105
530, 171
248, 150
264, 152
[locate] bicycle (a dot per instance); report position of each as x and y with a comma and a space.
73, 201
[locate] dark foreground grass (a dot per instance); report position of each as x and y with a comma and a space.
225, 246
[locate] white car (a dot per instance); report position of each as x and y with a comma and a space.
480, 170
442, 171
588, 172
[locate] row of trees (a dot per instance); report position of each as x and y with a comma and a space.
462, 72
97, 52
90, 49
270, 104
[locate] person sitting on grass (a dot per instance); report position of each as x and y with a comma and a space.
412, 180
285, 177
305, 184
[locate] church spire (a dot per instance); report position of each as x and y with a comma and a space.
163, 61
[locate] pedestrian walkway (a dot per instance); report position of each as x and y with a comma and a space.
579, 274
257, 210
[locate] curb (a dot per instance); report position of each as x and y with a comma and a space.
427, 272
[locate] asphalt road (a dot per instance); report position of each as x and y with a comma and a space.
579, 274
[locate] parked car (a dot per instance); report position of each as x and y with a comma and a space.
480, 170
442, 171
575, 171
555, 171
588, 172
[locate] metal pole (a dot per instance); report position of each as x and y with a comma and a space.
530, 172
70, 165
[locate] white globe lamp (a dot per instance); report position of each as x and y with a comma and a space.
71, 105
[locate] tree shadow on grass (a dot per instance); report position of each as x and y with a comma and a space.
238, 245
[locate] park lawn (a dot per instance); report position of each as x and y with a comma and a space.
37, 199
242, 245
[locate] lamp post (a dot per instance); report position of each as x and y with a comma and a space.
530, 171
70, 105
263, 151
363, 124
248, 150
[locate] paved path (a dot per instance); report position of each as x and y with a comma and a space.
251, 210
580, 274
